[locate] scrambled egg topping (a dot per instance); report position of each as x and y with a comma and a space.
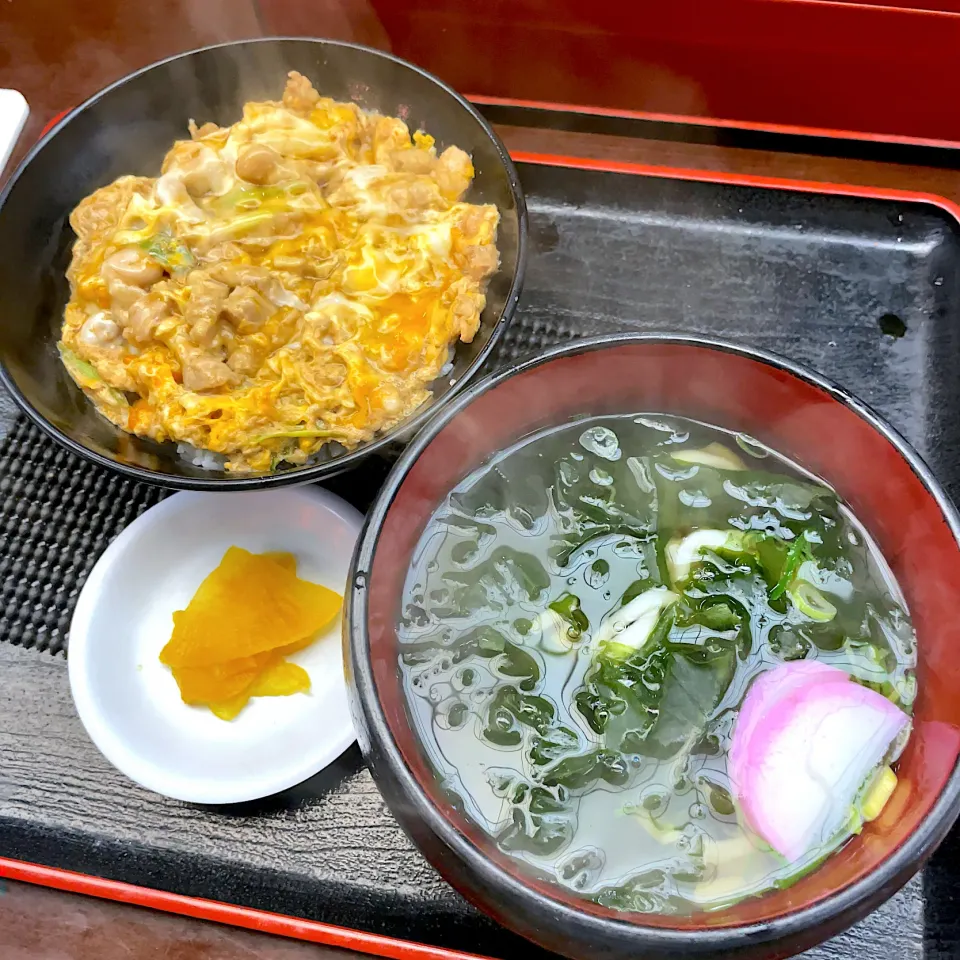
296, 279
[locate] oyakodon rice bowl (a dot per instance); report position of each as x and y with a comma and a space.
290, 281
127, 129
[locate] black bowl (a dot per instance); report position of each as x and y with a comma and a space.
797, 413
126, 129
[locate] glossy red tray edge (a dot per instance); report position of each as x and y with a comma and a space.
739, 179
346, 937
697, 121
258, 920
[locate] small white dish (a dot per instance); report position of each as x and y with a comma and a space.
129, 702
13, 115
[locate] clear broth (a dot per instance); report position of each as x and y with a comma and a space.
625, 799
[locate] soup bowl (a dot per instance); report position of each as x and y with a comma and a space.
818, 426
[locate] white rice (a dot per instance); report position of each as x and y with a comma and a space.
204, 459
447, 368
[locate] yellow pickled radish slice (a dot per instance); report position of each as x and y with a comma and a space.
220, 681
280, 679
229, 644
248, 605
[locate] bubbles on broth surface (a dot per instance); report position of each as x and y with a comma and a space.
603, 442
599, 756
597, 574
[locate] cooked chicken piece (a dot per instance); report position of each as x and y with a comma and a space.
237, 274
122, 297
480, 261
412, 160
242, 274
320, 171
100, 330
243, 359
144, 317
388, 136
198, 133
409, 199
131, 266
259, 163
203, 308
203, 372
101, 211
454, 173
466, 309
247, 309
472, 220
424, 196
299, 95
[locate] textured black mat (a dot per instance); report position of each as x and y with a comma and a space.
57, 514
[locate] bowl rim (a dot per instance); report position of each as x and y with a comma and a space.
330, 468
839, 907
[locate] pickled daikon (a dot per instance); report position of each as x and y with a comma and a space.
232, 640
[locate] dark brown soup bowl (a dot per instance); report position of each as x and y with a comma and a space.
797, 413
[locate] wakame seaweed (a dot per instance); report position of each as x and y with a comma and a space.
581, 621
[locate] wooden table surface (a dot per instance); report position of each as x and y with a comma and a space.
41, 924
57, 54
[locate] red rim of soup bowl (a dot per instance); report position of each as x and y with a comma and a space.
799, 414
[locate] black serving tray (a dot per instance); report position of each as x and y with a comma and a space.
821, 278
